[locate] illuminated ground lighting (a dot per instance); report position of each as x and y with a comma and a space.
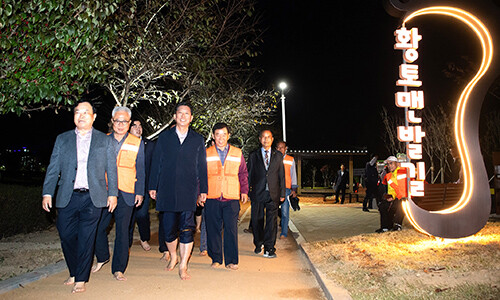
487, 46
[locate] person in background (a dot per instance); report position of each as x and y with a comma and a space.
341, 183
290, 184
371, 182
141, 213
396, 180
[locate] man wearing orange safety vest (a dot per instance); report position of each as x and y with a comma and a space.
291, 187
129, 151
227, 184
396, 181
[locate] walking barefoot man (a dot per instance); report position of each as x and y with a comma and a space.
178, 176
79, 163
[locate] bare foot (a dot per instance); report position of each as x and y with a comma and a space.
183, 274
69, 281
171, 265
145, 245
165, 257
215, 265
98, 266
203, 253
232, 267
79, 287
119, 276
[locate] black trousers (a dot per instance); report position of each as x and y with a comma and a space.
371, 192
222, 217
337, 192
265, 235
77, 226
391, 212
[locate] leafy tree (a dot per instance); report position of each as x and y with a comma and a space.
196, 51
50, 51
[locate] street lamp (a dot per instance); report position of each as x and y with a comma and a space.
282, 86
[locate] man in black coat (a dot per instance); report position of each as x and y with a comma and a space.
371, 182
341, 183
178, 177
266, 179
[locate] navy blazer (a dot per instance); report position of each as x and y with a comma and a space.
61, 171
178, 171
258, 176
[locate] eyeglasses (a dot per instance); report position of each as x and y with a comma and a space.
121, 122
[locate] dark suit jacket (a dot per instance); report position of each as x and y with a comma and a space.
149, 147
178, 172
258, 176
342, 180
61, 171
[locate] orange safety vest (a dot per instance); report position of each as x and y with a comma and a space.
288, 162
223, 180
396, 183
125, 163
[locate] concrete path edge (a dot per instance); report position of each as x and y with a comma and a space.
329, 287
21, 280
326, 285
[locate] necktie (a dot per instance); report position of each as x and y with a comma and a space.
266, 159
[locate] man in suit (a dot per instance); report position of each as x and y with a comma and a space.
178, 176
129, 152
266, 179
141, 213
80, 160
341, 183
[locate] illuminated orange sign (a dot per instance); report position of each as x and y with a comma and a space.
471, 212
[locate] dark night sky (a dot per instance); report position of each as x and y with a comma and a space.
338, 60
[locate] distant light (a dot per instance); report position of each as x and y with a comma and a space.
282, 85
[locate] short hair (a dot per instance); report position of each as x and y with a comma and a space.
221, 126
132, 121
121, 108
184, 104
262, 131
281, 142
85, 101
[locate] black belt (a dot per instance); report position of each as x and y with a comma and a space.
81, 190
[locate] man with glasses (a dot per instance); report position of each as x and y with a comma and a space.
129, 151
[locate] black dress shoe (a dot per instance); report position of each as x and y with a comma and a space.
366, 209
257, 250
270, 253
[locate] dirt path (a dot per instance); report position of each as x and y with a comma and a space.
286, 276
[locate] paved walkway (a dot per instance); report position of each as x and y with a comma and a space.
289, 276
317, 222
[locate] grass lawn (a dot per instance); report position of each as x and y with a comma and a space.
409, 265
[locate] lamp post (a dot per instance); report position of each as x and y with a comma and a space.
282, 86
